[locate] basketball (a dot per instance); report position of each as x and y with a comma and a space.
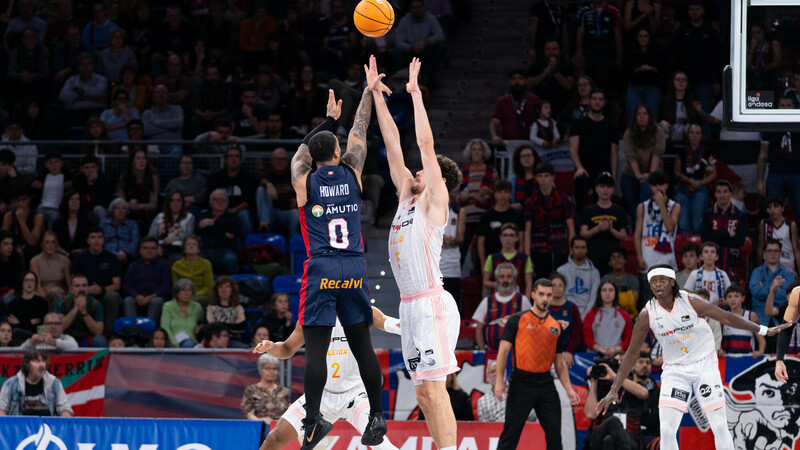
373, 18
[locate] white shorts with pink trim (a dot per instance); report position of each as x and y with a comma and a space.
429, 327
701, 378
347, 405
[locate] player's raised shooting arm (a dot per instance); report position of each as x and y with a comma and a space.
357, 139
433, 173
301, 165
301, 161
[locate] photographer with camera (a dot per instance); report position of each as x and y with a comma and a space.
632, 416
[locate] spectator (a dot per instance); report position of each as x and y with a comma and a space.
476, 187
70, 227
175, 35
194, 268
279, 318
104, 272
784, 168
138, 93
34, 391
764, 57
548, 21
50, 187
583, 279
219, 34
489, 227
210, 100
450, 262
568, 315
66, 61
97, 33
552, 77
514, 113
8, 178
28, 69
419, 35
694, 169
25, 19
117, 118
678, 109
215, 336
6, 333
221, 135
147, 282
523, 176
52, 270
708, 276
770, 277
276, 202
256, 31
135, 130
139, 185
643, 143
544, 131
83, 314
11, 265
84, 93
34, 122
116, 341
96, 131
549, 222
608, 431
94, 187
261, 333
27, 310
726, 225
182, 317
240, 187
225, 307
594, 148
598, 42
13, 139
24, 224
163, 121
178, 84
306, 100
643, 69
171, 226
734, 340
219, 230
776, 226
604, 224
160, 339
56, 31
607, 328
627, 284
494, 311
460, 401
266, 400
697, 50
115, 57
251, 117
490, 409
656, 225
523, 280
580, 107
191, 184
53, 338
121, 233
690, 257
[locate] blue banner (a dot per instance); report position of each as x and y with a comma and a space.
45, 433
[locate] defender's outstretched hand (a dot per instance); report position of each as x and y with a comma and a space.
266, 345
775, 330
334, 107
413, 73
374, 78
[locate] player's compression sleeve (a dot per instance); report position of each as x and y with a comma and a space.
783, 343
326, 124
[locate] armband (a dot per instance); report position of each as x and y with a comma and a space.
762, 330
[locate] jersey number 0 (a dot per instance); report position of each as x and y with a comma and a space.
335, 228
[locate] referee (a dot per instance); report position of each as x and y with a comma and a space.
536, 339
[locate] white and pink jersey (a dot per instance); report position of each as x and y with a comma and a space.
343, 373
684, 337
415, 247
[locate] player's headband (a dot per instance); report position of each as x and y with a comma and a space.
669, 273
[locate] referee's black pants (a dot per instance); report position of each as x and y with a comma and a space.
531, 390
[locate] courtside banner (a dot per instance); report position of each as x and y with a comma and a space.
32, 433
414, 435
82, 374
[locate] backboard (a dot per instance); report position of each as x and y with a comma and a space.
765, 66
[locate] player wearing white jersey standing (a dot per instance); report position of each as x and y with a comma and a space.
690, 361
344, 396
428, 313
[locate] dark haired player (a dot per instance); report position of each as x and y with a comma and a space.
428, 312
690, 359
335, 275
790, 318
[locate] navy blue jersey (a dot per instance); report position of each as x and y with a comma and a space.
331, 218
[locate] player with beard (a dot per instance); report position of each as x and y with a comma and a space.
690, 359
428, 312
790, 318
538, 342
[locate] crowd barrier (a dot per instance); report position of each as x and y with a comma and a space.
181, 384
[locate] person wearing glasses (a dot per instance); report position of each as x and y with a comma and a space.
190, 183
53, 336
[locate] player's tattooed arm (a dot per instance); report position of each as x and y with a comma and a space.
357, 140
301, 163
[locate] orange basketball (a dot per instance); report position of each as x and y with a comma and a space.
373, 18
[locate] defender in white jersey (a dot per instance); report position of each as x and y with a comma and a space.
428, 312
344, 396
690, 360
